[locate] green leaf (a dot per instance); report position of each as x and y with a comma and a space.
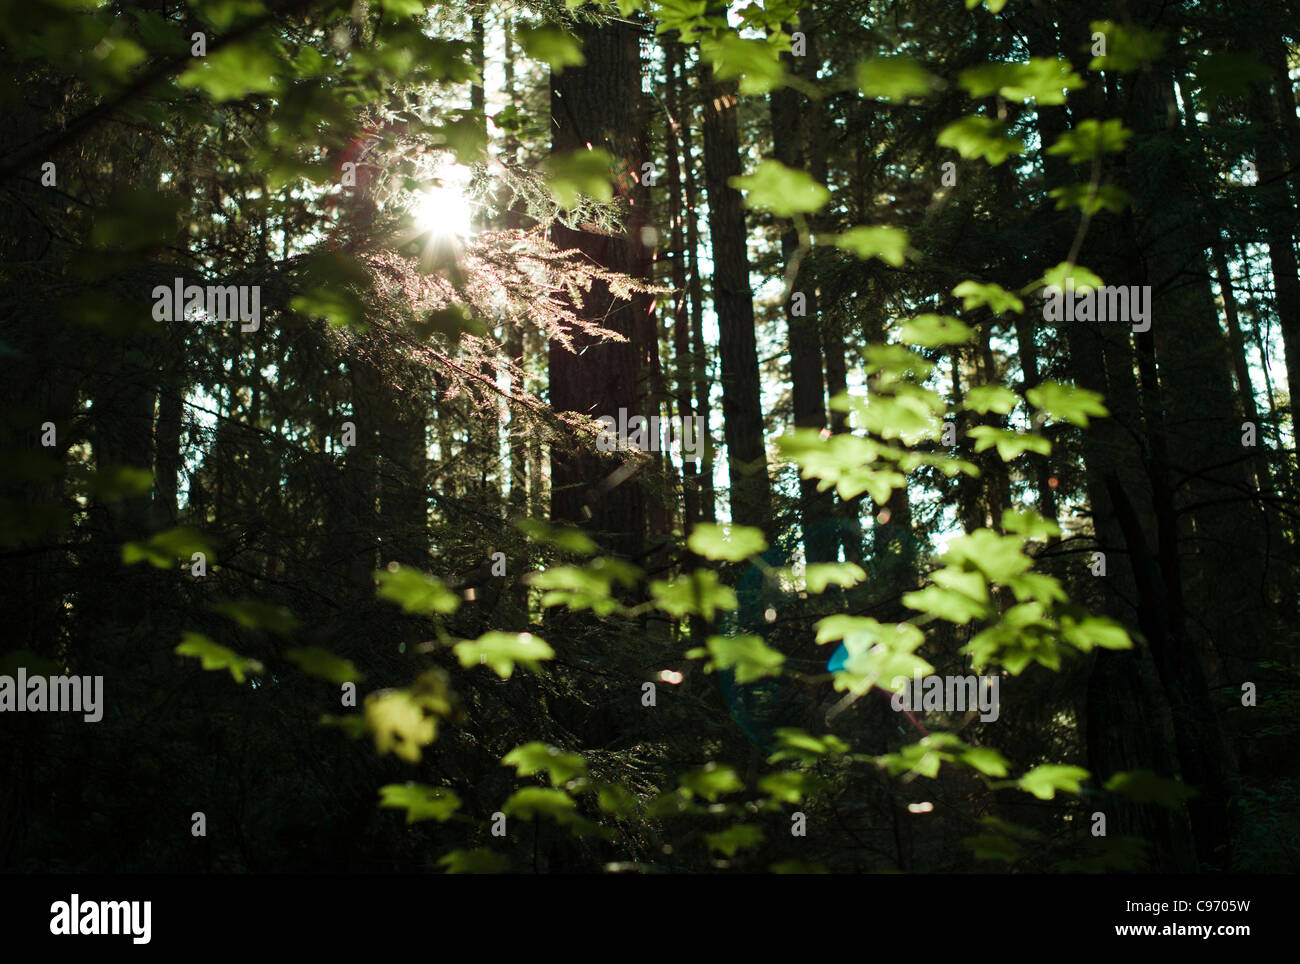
1039, 79
756, 62
501, 651
840, 461
1091, 198
536, 757
686, 16
415, 591
163, 549
1068, 403
615, 799
668, 805
866, 632
432, 690
400, 723
911, 418
879, 483
1021, 637
742, 836
222, 14
1035, 585
354, 727
526, 803
465, 134
116, 57
35, 665
158, 34
819, 575
1065, 273
824, 458
552, 46
998, 557
441, 61
479, 860
748, 655
780, 189
876, 666
510, 119
1029, 524
1107, 855
452, 322
1092, 631
711, 781
1090, 138
877, 652
924, 757
831, 628
234, 72
886, 243
215, 656
1127, 47
321, 663
1000, 301
986, 760
402, 8
987, 846
931, 331
1144, 786
585, 587
731, 543
956, 607
799, 866
339, 305
994, 6
1044, 781
699, 593
990, 398
113, 483
894, 79
1009, 444
795, 744
255, 614
972, 584
896, 362
1003, 841
580, 173
567, 538
789, 786
419, 801
978, 136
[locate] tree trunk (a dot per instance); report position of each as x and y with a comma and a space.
821, 543
600, 104
751, 498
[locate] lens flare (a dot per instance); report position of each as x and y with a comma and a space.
442, 208
443, 211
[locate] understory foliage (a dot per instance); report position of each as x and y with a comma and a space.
317, 561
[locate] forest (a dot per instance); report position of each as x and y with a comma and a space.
649, 437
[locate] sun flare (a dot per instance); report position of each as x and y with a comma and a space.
443, 209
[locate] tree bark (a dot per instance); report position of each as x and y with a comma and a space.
751, 496
599, 104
